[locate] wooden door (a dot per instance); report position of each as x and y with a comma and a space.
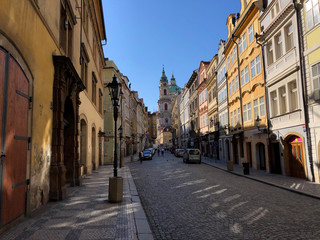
14, 106
297, 160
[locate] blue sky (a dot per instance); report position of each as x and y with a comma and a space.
142, 35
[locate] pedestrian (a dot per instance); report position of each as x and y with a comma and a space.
140, 156
162, 151
158, 151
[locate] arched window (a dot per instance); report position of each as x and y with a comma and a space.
166, 120
165, 106
165, 91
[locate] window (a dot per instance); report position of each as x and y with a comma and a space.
167, 120
316, 81
245, 75
205, 94
228, 62
255, 66
274, 103
84, 65
240, 45
289, 37
244, 41
165, 106
239, 115
293, 95
230, 93
66, 32
94, 88
245, 113
255, 108
235, 53
233, 89
210, 97
253, 69
283, 100
249, 111
165, 91
261, 106
235, 117
269, 53
231, 58
312, 13
279, 50
250, 30
231, 118
237, 83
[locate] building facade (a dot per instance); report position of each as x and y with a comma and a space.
45, 83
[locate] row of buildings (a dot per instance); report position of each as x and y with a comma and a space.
257, 100
56, 119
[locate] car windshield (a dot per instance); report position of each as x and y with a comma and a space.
146, 152
194, 152
180, 150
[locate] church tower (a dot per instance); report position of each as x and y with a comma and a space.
167, 92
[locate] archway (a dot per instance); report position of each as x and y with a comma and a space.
69, 141
261, 156
294, 156
83, 145
93, 150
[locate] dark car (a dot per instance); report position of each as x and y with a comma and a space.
147, 155
179, 152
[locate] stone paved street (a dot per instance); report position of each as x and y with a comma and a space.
197, 201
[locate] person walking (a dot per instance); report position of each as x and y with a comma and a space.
140, 157
162, 151
158, 151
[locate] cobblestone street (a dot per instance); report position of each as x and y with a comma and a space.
197, 201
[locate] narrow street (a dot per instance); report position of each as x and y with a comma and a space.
197, 201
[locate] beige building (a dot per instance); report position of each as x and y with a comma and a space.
54, 62
175, 124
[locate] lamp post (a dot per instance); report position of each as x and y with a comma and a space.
121, 159
258, 122
115, 183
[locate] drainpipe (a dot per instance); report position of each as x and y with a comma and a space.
266, 95
297, 8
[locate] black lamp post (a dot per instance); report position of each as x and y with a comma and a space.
120, 131
114, 91
258, 122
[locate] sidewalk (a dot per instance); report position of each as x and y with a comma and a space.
296, 185
87, 214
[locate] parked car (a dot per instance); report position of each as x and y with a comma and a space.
147, 155
179, 152
152, 150
192, 155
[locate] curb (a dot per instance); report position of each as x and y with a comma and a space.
142, 225
265, 182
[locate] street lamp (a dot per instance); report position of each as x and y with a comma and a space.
258, 120
115, 183
121, 160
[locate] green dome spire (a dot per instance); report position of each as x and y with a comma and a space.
163, 77
173, 81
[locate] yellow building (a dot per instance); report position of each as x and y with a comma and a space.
175, 121
166, 137
246, 90
311, 39
40, 46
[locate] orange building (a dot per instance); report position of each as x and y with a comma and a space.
246, 89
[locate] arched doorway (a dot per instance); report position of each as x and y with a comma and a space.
14, 138
295, 156
69, 141
93, 144
65, 162
83, 144
261, 156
